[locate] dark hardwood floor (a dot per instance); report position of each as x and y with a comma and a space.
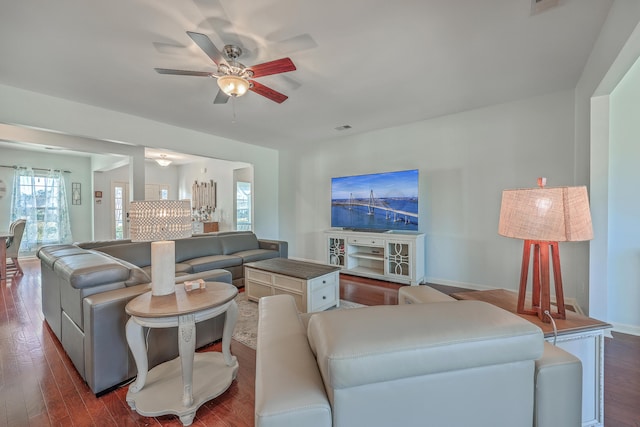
40, 387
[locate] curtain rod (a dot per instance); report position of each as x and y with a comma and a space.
35, 169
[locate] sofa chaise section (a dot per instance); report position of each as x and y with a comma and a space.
444, 363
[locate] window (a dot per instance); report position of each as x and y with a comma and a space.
41, 199
243, 206
120, 192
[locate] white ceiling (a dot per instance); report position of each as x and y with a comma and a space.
367, 63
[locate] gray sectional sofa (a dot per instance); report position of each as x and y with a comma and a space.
86, 286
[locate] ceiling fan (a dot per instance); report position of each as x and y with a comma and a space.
234, 78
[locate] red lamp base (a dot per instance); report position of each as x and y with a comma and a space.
541, 293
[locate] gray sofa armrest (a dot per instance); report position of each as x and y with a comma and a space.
275, 245
558, 375
107, 359
289, 389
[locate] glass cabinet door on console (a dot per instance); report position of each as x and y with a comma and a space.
336, 251
398, 259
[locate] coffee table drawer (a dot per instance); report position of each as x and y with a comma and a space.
286, 282
323, 298
326, 280
256, 290
366, 241
258, 276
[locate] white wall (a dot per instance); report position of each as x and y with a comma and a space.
615, 51
465, 161
624, 201
25, 108
221, 172
159, 175
80, 168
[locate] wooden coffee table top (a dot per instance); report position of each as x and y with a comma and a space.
508, 300
293, 268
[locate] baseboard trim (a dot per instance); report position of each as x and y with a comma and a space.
626, 329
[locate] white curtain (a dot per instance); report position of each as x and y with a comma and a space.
41, 199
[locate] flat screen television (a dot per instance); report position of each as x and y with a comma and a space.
375, 202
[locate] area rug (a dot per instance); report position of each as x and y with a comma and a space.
246, 330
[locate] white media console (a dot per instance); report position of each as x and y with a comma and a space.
393, 256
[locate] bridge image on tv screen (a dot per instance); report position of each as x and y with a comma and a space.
381, 201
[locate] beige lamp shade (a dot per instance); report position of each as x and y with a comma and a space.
558, 214
151, 220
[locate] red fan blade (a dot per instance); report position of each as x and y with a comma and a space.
267, 92
278, 66
183, 72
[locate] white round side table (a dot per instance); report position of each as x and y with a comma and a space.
180, 386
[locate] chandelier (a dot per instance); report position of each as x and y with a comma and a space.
163, 161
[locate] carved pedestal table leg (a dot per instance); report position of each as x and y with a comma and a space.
186, 349
231, 317
135, 338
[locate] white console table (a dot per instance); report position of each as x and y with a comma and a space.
180, 386
579, 335
393, 256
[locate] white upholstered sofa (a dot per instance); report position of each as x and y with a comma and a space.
449, 363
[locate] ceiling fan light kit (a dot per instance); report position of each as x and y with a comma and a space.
233, 85
234, 79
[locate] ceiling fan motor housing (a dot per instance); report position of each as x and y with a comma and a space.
232, 51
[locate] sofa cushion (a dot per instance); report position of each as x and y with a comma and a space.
94, 244
256, 255
419, 339
90, 269
182, 267
138, 253
213, 262
136, 274
195, 248
232, 243
50, 254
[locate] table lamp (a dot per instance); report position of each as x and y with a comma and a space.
158, 221
542, 217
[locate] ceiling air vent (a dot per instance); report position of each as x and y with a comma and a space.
538, 6
343, 127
